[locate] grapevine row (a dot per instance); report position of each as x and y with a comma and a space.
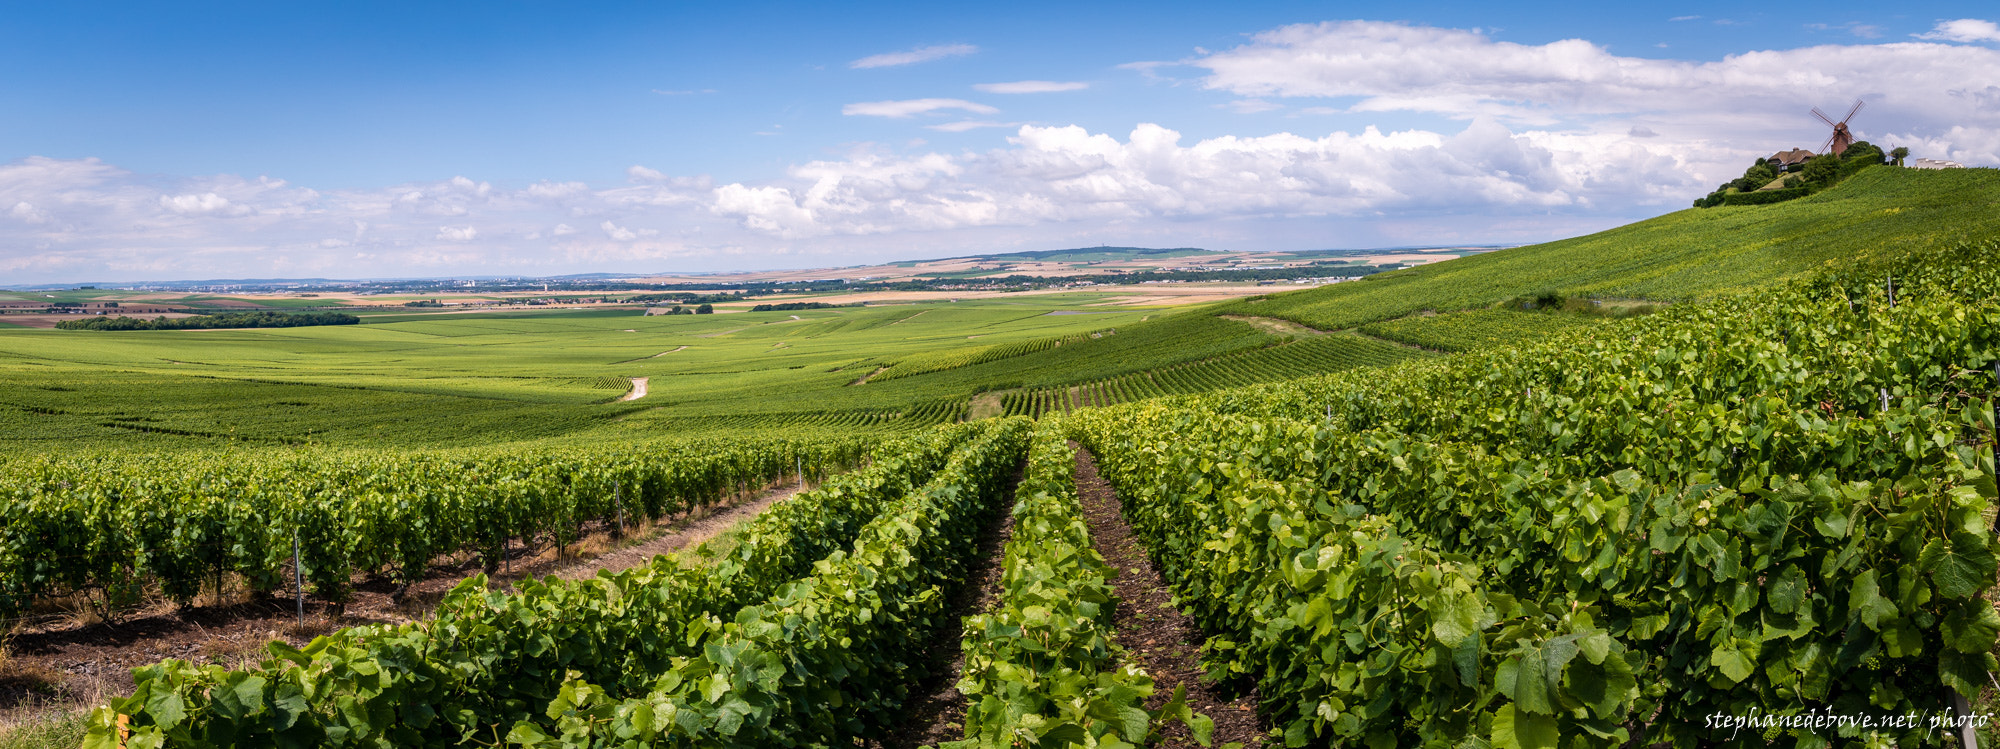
111, 522
1042, 666
488, 660
826, 660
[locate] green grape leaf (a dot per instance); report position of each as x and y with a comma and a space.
1514, 728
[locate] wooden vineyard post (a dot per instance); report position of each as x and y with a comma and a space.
1966, 737
799, 469
1885, 400
618, 500
298, 573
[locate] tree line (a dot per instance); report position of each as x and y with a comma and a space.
261, 319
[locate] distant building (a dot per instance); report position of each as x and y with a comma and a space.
1790, 161
1934, 164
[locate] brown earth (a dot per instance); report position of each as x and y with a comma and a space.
61, 664
1157, 636
936, 711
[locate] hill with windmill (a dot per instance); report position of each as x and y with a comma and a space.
1796, 173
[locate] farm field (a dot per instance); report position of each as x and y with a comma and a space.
1400, 511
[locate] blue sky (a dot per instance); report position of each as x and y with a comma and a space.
202, 140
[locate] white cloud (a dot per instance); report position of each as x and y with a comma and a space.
1754, 101
964, 125
205, 204
688, 92
617, 232
1963, 30
26, 211
1685, 18
920, 54
1067, 174
1519, 143
908, 107
1031, 87
766, 209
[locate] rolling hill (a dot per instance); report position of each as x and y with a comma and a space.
1684, 255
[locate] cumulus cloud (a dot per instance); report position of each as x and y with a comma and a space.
909, 107
1717, 114
1064, 174
1963, 30
617, 232
910, 57
1030, 87
26, 211
1518, 142
205, 204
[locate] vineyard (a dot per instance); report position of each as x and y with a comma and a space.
106, 526
1397, 512
1475, 329
1296, 358
1772, 501
491, 665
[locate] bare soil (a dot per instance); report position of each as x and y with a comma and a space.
936, 711
684, 535
638, 389
1158, 636
74, 663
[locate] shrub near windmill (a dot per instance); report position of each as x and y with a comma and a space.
1809, 171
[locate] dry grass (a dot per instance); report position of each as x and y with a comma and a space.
985, 405
46, 730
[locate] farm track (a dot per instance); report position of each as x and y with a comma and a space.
687, 534
60, 667
1155, 634
871, 375
638, 389
1275, 325
1410, 346
935, 712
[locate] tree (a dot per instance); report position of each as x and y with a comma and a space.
1821, 170
1898, 154
1863, 151
1755, 178
705, 309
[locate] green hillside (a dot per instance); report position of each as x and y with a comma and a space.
1682, 255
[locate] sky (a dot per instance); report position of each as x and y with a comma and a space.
371, 140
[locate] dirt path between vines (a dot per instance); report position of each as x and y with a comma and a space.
638, 389
1158, 636
1275, 325
686, 535
935, 712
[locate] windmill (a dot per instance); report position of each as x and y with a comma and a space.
1842, 137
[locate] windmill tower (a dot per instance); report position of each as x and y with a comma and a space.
1842, 137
